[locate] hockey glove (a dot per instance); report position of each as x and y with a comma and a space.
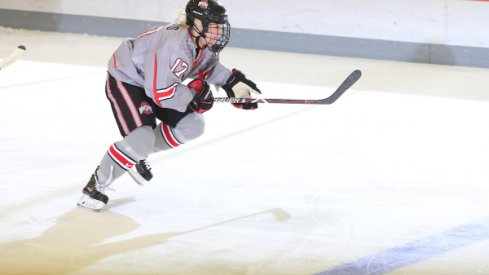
239, 86
203, 99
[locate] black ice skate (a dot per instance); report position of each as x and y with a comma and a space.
93, 194
141, 172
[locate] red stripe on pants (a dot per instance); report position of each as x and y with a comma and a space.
168, 136
119, 157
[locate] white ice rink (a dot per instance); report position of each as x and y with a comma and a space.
393, 178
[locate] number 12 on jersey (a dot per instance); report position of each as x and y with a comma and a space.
179, 67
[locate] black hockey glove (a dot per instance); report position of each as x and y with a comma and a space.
239, 86
203, 99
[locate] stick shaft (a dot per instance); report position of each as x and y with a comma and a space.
345, 85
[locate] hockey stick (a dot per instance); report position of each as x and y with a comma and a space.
347, 83
12, 57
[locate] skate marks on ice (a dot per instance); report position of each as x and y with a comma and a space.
77, 240
416, 251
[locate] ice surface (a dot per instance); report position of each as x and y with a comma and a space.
392, 178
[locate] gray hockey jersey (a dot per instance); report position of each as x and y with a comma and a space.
160, 60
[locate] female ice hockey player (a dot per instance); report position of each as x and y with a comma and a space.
145, 85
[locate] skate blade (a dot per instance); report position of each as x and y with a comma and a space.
136, 176
87, 202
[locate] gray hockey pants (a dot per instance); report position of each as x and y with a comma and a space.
142, 141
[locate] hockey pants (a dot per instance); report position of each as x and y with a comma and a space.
142, 141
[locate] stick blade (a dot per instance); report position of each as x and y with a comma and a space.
347, 83
12, 57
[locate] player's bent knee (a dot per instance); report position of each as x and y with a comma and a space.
190, 127
139, 143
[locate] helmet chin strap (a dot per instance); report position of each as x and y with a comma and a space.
197, 38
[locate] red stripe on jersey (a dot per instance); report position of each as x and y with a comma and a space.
120, 158
155, 77
115, 60
168, 136
165, 93
161, 94
204, 75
